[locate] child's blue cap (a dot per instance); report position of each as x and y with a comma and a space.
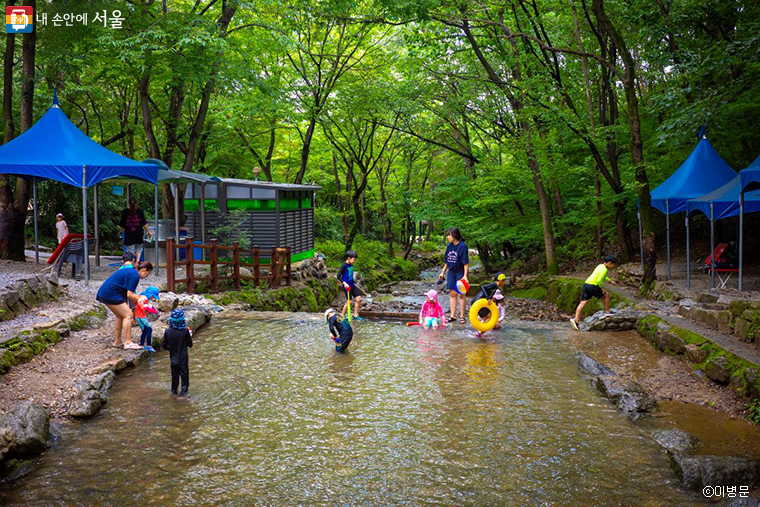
151, 292
177, 319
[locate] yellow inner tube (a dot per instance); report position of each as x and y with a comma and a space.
493, 318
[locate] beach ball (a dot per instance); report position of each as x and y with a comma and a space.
462, 286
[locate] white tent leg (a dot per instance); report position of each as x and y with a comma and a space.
155, 218
84, 228
688, 261
741, 238
712, 245
96, 218
36, 228
667, 230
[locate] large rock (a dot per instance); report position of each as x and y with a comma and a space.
24, 431
724, 321
91, 318
673, 342
717, 369
104, 381
115, 364
627, 395
590, 366
168, 302
707, 297
741, 328
86, 402
615, 321
695, 472
696, 353
676, 440
742, 502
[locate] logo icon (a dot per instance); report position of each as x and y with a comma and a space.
19, 19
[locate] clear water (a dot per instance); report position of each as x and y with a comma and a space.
407, 417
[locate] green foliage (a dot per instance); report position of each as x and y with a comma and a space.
753, 409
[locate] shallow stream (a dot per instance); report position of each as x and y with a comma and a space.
407, 417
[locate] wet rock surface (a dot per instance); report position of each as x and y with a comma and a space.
591, 366
24, 431
676, 440
616, 320
628, 395
695, 472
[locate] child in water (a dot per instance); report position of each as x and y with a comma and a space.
340, 330
142, 308
431, 313
346, 278
177, 339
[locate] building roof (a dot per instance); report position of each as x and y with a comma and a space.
268, 185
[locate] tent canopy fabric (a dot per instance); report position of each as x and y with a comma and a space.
750, 177
725, 201
701, 173
55, 149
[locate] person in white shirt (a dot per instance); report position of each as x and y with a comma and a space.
61, 227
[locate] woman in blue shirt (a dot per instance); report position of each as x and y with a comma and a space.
114, 293
457, 263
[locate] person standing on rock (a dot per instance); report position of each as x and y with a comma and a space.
132, 224
115, 292
593, 287
458, 265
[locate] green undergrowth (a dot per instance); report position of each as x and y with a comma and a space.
374, 263
313, 296
25, 346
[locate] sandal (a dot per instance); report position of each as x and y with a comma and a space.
117, 345
461, 321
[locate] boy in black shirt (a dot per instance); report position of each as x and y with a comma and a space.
177, 340
340, 330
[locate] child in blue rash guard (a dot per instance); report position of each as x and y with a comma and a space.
177, 339
346, 278
340, 330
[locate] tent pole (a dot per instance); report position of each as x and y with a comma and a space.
712, 244
96, 218
641, 237
688, 261
741, 238
203, 219
155, 218
84, 228
36, 229
667, 230
176, 212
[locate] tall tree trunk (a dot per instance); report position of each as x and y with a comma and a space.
308, 136
637, 147
552, 267
14, 205
8, 232
599, 240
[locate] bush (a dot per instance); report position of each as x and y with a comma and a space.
327, 224
429, 246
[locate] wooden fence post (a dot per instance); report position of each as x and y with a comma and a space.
214, 254
287, 280
190, 268
256, 270
236, 267
169, 263
274, 282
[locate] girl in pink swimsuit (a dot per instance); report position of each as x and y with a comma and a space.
432, 314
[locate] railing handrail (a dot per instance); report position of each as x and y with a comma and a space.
279, 265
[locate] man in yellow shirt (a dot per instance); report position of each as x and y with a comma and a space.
593, 287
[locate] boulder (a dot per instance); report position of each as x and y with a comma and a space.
104, 381
86, 402
168, 302
676, 440
695, 472
707, 297
717, 369
591, 366
673, 342
707, 317
115, 364
724, 321
695, 353
753, 386
741, 328
24, 431
738, 501
627, 395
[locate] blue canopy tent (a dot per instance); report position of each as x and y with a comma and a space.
702, 172
750, 177
724, 202
55, 149
750, 181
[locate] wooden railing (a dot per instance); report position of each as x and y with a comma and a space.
279, 265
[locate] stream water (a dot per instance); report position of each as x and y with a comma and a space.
407, 417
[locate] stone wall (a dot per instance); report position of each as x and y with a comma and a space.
312, 296
26, 294
738, 318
